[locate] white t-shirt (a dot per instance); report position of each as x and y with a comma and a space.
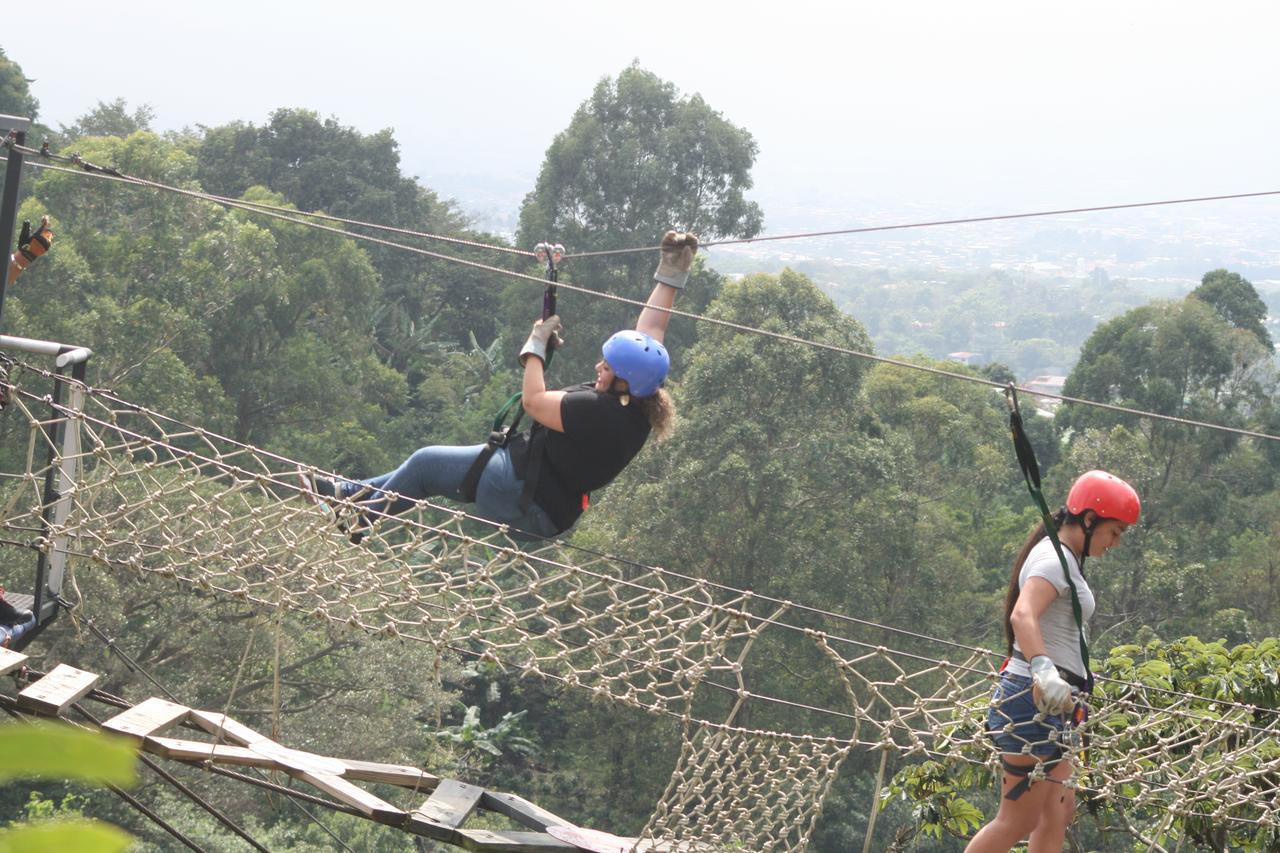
1058, 622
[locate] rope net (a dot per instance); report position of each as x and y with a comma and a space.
155, 497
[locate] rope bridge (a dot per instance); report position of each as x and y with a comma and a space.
153, 496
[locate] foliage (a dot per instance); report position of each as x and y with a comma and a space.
63, 752
113, 119
52, 751
15, 90
636, 159
1234, 298
501, 738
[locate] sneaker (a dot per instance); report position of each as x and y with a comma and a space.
320, 490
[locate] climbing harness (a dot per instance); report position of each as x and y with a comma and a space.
501, 433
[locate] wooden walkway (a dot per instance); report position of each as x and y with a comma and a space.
442, 815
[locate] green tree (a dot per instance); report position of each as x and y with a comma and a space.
110, 119
429, 310
1174, 358
636, 159
1233, 297
15, 90
51, 751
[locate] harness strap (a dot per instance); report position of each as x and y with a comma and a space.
499, 437
533, 466
1031, 473
1024, 772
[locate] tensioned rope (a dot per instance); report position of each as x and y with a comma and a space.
85, 167
738, 327
933, 223
801, 235
189, 505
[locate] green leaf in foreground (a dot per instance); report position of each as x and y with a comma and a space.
51, 751
69, 836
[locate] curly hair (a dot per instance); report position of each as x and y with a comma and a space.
660, 409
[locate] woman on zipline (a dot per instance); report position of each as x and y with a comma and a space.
1040, 697
583, 436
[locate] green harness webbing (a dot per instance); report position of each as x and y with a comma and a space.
1031, 473
501, 434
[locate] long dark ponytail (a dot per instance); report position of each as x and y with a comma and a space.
1060, 518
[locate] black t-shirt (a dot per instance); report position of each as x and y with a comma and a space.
601, 436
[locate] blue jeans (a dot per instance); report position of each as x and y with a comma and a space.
438, 472
1012, 723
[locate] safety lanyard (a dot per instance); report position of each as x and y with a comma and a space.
1031, 473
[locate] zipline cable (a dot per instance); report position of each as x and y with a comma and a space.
89, 168
738, 327
932, 223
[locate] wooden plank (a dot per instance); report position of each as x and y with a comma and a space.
198, 750
296, 759
521, 811
353, 795
147, 718
509, 841
215, 723
419, 825
452, 803
593, 840
390, 774
52, 694
10, 660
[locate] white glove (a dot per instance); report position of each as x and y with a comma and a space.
545, 335
678, 250
1052, 694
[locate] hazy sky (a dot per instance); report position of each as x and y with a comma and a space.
948, 104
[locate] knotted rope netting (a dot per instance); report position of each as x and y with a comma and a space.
155, 497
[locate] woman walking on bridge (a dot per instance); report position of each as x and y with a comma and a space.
1043, 685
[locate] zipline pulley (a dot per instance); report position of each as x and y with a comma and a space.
551, 254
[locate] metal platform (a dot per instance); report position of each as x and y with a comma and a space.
20, 601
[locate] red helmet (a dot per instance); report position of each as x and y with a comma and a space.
1106, 494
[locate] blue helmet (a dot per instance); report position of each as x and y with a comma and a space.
639, 359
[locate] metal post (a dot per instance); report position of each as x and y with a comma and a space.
9, 201
52, 564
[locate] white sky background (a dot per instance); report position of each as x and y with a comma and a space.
902, 103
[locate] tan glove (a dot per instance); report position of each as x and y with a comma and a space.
544, 337
30, 247
678, 250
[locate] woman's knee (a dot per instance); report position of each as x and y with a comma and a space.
420, 457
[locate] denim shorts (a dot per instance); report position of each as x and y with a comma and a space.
1012, 723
